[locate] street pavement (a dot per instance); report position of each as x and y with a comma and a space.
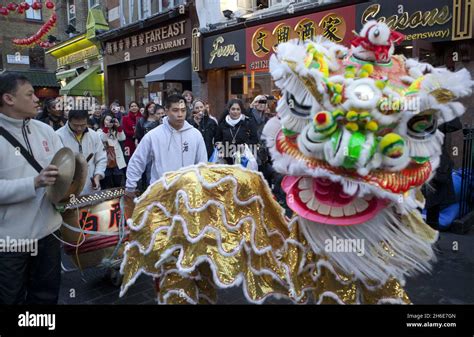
450, 282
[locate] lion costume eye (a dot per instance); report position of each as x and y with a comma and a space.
297, 108
422, 126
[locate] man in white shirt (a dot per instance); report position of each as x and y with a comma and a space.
30, 273
80, 139
173, 145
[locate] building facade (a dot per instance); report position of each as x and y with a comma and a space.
30, 61
147, 54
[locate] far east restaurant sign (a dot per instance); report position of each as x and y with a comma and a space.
167, 38
336, 25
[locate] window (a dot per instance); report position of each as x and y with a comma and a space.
32, 14
145, 9
36, 58
93, 3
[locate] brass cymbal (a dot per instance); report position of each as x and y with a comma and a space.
65, 161
79, 179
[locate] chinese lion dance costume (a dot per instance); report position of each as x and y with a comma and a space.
356, 137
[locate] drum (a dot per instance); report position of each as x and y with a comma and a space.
91, 226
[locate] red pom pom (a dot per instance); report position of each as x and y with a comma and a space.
49, 5
37, 5
12, 6
321, 118
3, 11
25, 5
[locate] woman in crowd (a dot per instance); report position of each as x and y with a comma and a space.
51, 115
152, 117
188, 96
95, 119
207, 126
150, 120
111, 133
234, 129
128, 123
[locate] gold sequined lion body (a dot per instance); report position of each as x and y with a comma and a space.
218, 226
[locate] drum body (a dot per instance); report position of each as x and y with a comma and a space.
91, 222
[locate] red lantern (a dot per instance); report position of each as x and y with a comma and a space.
20, 10
36, 5
49, 4
25, 5
11, 6
3, 11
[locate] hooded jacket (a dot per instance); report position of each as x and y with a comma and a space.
167, 149
26, 213
90, 143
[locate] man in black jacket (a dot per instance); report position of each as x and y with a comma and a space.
441, 193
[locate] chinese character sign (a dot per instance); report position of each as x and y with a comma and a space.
334, 25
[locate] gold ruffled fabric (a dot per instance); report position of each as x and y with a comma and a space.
217, 226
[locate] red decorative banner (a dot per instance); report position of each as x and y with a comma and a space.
41, 33
336, 25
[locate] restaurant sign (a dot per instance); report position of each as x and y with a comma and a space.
427, 20
79, 56
224, 50
336, 25
168, 38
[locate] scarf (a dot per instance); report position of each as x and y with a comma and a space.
234, 122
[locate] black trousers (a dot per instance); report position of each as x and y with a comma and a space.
28, 279
432, 216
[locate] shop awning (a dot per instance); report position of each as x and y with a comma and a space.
40, 79
174, 70
66, 74
89, 81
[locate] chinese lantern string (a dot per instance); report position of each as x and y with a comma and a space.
35, 38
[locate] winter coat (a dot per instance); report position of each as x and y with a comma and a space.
89, 144
244, 132
208, 129
443, 189
129, 123
143, 127
26, 212
112, 138
55, 122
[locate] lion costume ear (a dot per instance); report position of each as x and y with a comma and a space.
447, 86
443, 88
396, 37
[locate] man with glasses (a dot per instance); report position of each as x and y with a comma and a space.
80, 139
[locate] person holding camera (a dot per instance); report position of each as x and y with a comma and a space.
259, 115
111, 134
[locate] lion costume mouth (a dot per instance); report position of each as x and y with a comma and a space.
400, 182
323, 201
